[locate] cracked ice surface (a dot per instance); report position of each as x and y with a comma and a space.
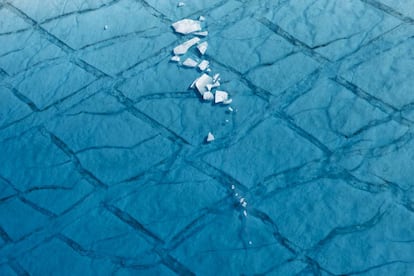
111, 164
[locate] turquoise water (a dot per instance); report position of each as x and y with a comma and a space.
104, 164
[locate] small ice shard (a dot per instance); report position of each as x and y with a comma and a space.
183, 48
227, 120
233, 187
245, 213
228, 101
203, 33
106, 27
221, 96
201, 83
201, 18
203, 65
216, 77
175, 58
187, 26
180, 4
213, 85
230, 109
202, 47
189, 62
208, 70
210, 137
208, 96
250, 242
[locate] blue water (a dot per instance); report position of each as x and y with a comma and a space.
104, 164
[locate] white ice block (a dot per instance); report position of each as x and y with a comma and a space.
201, 83
202, 47
203, 33
183, 48
221, 96
201, 18
187, 26
210, 137
189, 62
180, 4
208, 96
175, 58
203, 65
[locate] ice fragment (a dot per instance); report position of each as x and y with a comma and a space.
202, 47
183, 48
203, 33
175, 58
210, 137
208, 96
203, 65
221, 96
201, 83
187, 26
201, 18
180, 4
189, 62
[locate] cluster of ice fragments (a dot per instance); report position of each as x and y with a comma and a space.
207, 84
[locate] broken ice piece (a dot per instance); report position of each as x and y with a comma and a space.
189, 62
202, 47
208, 96
187, 26
183, 48
201, 18
213, 85
221, 96
203, 65
245, 213
175, 58
230, 109
201, 83
106, 27
210, 137
216, 77
204, 33
180, 4
228, 101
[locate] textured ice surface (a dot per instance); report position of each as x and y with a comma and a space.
105, 164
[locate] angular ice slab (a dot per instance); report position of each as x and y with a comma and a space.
183, 48
175, 58
202, 47
204, 33
202, 82
221, 96
210, 137
203, 65
187, 26
189, 62
208, 96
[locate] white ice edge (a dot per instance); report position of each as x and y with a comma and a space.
183, 48
187, 26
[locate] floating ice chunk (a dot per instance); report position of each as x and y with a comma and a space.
201, 18
213, 85
210, 137
201, 83
189, 62
180, 4
187, 26
208, 96
175, 58
183, 48
203, 33
233, 187
203, 65
216, 77
245, 213
228, 101
202, 47
250, 242
106, 27
221, 96
230, 109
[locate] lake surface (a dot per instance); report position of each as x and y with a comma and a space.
113, 163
